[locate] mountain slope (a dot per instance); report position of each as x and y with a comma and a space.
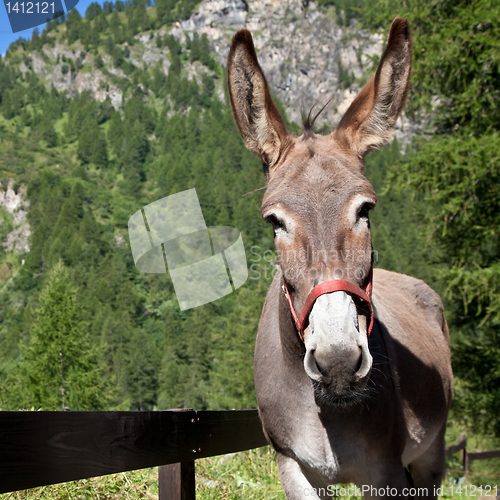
105, 114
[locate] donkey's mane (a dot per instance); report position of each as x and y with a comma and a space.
308, 122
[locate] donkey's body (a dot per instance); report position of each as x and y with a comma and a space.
337, 403
401, 422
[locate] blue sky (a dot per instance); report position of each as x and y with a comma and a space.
6, 35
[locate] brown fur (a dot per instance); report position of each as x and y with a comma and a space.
339, 407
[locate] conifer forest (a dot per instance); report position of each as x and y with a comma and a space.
82, 329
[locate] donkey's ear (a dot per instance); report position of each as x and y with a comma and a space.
257, 118
368, 122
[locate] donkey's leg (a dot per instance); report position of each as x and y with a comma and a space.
295, 483
429, 469
385, 480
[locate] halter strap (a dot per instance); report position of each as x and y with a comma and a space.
330, 287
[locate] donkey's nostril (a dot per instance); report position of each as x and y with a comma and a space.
311, 366
322, 369
360, 360
365, 364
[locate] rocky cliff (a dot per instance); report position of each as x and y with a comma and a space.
16, 205
306, 56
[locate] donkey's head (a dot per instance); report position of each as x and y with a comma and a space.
318, 200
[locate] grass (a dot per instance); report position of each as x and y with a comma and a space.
252, 474
124, 486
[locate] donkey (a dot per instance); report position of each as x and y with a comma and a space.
352, 364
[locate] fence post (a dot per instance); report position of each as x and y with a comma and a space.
176, 481
465, 456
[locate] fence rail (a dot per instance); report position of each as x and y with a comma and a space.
467, 456
41, 448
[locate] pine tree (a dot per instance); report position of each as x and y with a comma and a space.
48, 133
60, 367
92, 143
75, 26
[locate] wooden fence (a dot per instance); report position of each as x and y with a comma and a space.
467, 456
41, 448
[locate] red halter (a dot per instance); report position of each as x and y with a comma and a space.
329, 287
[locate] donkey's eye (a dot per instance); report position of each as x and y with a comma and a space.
363, 211
278, 225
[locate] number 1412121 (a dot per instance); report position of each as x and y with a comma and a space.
472, 490
30, 8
